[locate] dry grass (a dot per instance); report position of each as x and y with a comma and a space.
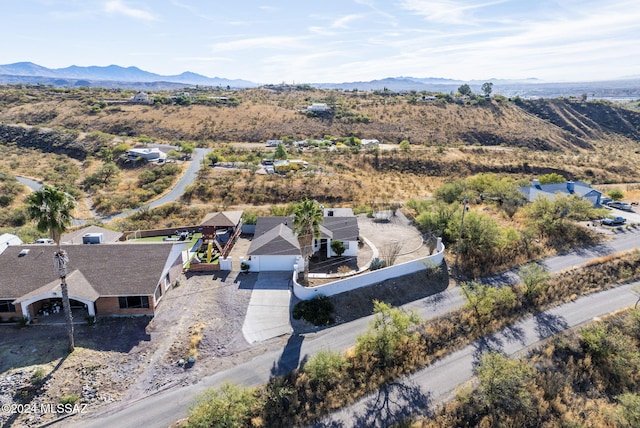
195, 339
448, 141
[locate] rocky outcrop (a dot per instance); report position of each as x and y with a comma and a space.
47, 140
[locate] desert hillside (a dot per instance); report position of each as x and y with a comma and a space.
449, 136
266, 114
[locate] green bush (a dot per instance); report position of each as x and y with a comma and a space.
318, 311
229, 407
37, 376
376, 264
616, 194
337, 247
326, 366
69, 399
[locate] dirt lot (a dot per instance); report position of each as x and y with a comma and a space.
120, 359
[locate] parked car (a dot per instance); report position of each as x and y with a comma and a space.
605, 201
615, 221
625, 206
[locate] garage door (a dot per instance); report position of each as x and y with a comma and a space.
271, 263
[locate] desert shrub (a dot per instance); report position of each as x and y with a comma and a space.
488, 302
337, 247
230, 406
13, 218
616, 194
534, 279
363, 209
37, 376
505, 383
451, 192
376, 264
157, 180
628, 411
69, 399
390, 327
326, 366
249, 217
551, 178
318, 311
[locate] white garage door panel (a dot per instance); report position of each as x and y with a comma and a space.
270, 263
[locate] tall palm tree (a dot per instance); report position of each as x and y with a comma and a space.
51, 208
307, 218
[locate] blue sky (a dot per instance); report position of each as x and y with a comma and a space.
331, 40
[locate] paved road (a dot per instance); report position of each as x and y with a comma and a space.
164, 408
419, 392
174, 194
31, 184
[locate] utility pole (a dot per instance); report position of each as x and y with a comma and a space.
464, 209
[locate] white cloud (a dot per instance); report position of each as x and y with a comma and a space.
343, 22
446, 11
118, 6
274, 42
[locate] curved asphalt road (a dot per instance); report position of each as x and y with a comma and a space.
419, 392
174, 194
408, 395
31, 184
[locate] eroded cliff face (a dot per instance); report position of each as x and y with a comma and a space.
586, 119
47, 140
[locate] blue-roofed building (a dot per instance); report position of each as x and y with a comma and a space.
578, 188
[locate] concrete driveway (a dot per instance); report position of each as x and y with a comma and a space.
268, 311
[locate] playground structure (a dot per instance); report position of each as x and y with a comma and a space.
220, 231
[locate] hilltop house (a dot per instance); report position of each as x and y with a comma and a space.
104, 279
141, 98
369, 144
275, 247
152, 154
319, 108
550, 191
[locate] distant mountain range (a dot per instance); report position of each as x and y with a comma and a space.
109, 76
114, 76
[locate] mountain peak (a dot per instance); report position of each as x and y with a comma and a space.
116, 73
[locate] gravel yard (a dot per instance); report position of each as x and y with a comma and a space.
129, 358
122, 359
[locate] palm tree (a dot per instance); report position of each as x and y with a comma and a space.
52, 208
307, 218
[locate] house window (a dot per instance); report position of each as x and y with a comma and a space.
7, 306
345, 244
158, 292
133, 302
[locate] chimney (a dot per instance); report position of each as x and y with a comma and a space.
570, 186
535, 183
